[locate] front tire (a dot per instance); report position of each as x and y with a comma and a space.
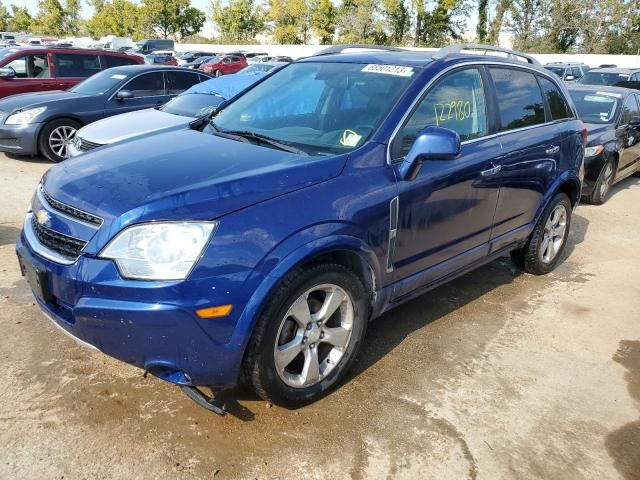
308, 335
55, 138
544, 248
603, 185
218, 73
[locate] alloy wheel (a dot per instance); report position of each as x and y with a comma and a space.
553, 236
313, 335
606, 181
60, 139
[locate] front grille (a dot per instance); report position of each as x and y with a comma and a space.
85, 145
71, 211
63, 244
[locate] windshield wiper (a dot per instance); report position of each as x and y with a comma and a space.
248, 136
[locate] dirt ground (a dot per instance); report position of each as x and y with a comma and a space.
498, 375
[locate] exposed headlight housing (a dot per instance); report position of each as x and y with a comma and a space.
159, 251
25, 116
593, 151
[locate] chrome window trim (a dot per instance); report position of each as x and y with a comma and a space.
430, 83
43, 201
39, 248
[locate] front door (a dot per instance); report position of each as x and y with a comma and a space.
148, 91
446, 213
33, 74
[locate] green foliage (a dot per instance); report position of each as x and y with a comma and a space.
397, 18
324, 19
117, 17
239, 21
50, 19
171, 18
21, 19
291, 21
5, 18
359, 22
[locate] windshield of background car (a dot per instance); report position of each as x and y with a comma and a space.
100, 83
603, 78
193, 104
321, 108
559, 71
596, 107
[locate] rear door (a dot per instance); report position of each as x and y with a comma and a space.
533, 144
148, 91
71, 68
177, 82
630, 151
446, 212
33, 74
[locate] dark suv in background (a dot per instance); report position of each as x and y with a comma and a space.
36, 69
568, 72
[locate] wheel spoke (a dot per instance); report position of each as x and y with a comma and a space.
338, 336
311, 371
287, 352
331, 304
300, 311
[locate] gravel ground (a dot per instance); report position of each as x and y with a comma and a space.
496, 375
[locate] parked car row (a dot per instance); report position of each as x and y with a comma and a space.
603, 75
185, 251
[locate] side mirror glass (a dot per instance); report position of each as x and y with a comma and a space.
433, 143
7, 72
124, 94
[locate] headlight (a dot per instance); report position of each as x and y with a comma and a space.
159, 251
593, 151
25, 116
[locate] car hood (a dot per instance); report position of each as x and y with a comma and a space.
37, 99
128, 125
184, 175
598, 134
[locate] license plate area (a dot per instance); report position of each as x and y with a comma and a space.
37, 279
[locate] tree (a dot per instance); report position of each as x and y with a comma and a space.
118, 17
171, 18
238, 21
496, 24
5, 18
481, 28
562, 24
525, 23
291, 20
21, 19
358, 22
397, 17
324, 20
50, 18
71, 25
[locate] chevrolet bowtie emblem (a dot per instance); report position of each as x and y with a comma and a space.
42, 216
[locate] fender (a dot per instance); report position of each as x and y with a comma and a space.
267, 281
569, 175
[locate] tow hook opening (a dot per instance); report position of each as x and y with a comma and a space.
207, 402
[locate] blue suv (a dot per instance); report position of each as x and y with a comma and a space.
256, 246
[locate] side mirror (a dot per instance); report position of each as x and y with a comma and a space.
7, 72
123, 95
569, 78
433, 143
634, 122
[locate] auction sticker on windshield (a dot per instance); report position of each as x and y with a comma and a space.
396, 70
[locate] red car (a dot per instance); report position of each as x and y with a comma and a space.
35, 69
224, 64
161, 59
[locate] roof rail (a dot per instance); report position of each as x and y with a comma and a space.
457, 48
341, 48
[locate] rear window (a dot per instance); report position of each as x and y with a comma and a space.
558, 106
520, 102
76, 65
559, 71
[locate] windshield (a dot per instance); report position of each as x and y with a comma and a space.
318, 107
596, 107
100, 83
256, 68
603, 78
193, 104
559, 71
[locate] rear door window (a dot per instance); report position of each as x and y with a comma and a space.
109, 61
456, 102
178, 82
558, 106
31, 66
75, 65
575, 71
520, 102
147, 85
629, 109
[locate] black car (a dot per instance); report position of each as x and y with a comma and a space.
612, 117
190, 57
45, 122
609, 76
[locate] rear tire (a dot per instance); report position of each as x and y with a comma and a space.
545, 245
603, 185
291, 361
55, 138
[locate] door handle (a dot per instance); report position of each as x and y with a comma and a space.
491, 171
552, 150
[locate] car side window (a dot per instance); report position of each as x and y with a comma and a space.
575, 71
204, 78
630, 109
520, 101
146, 85
456, 102
109, 61
74, 65
227, 60
31, 66
635, 77
178, 82
558, 106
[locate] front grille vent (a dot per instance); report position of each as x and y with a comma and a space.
66, 246
71, 211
